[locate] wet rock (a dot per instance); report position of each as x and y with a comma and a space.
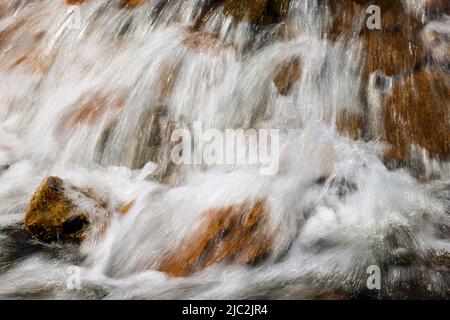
34, 62
75, 2
287, 74
350, 125
350, 17
154, 142
391, 54
346, 19
126, 207
438, 4
439, 259
418, 112
393, 49
204, 42
435, 8
9, 32
236, 234
4, 9
90, 108
436, 39
131, 3
59, 211
259, 12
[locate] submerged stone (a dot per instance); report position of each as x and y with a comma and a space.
236, 234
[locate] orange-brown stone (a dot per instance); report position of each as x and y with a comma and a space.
390, 53
418, 112
75, 2
126, 207
287, 74
90, 107
54, 212
235, 234
350, 125
260, 12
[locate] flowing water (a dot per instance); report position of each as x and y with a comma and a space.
335, 208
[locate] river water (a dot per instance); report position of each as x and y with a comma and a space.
335, 208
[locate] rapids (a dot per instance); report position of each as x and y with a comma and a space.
335, 207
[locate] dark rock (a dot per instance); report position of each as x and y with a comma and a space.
59, 211
259, 12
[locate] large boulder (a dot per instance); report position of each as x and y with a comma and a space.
236, 234
59, 211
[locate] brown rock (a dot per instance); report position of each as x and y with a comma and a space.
418, 112
59, 211
34, 62
75, 2
259, 12
235, 234
4, 9
394, 49
350, 16
9, 32
346, 15
350, 125
436, 7
287, 74
131, 3
90, 108
126, 207
204, 42
390, 53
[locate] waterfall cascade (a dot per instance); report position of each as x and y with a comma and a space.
92, 91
